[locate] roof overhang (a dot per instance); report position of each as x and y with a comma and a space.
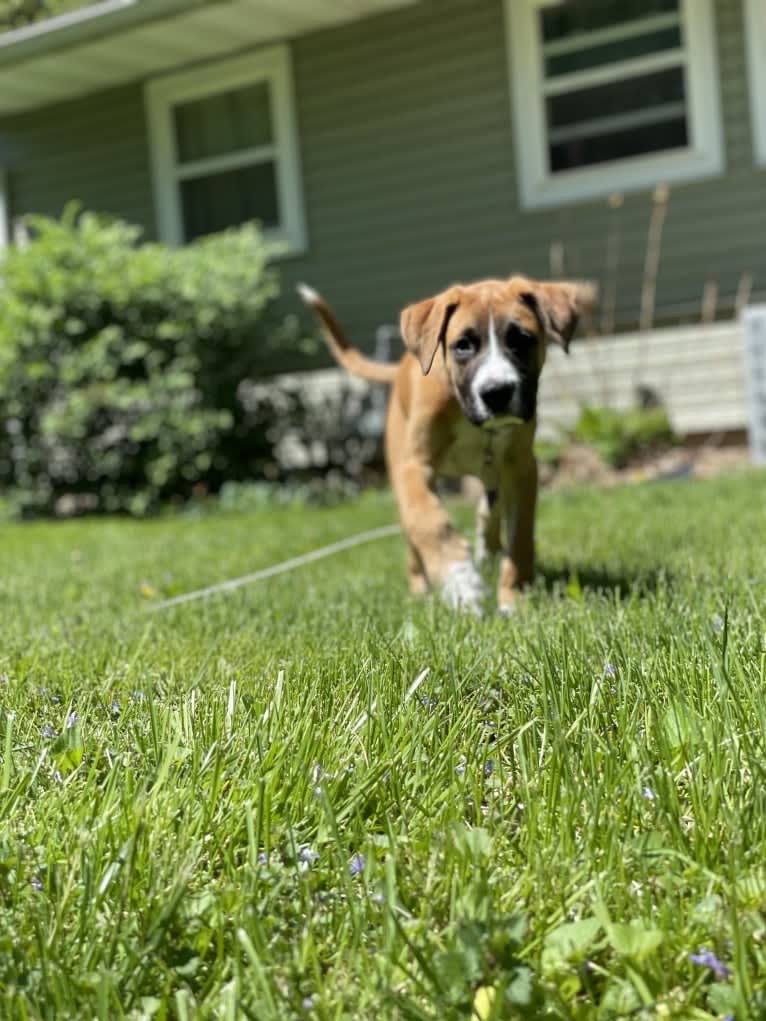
115, 42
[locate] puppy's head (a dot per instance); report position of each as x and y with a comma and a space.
493, 336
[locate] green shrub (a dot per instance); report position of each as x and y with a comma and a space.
120, 364
619, 435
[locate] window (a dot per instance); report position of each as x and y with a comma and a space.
755, 33
224, 149
611, 95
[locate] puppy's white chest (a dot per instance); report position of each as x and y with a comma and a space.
474, 451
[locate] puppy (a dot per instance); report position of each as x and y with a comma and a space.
464, 402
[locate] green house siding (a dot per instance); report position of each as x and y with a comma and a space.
407, 157
93, 150
409, 175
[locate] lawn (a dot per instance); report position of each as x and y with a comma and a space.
315, 798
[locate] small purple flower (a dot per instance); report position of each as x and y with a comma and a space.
115, 707
72, 720
717, 624
37, 883
707, 959
307, 1003
57, 776
307, 855
610, 669
489, 767
357, 864
263, 858
647, 793
48, 731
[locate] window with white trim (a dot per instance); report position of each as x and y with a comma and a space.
612, 95
224, 149
755, 33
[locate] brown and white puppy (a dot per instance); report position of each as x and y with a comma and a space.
464, 402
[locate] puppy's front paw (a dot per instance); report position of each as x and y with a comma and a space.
507, 609
463, 587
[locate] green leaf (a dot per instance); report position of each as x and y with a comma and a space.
474, 842
457, 972
634, 939
722, 998
68, 749
520, 991
682, 726
620, 999
570, 941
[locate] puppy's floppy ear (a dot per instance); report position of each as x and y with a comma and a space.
559, 305
424, 325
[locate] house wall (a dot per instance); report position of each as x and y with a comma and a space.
698, 373
409, 176
93, 150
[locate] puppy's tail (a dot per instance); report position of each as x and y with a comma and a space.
349, 357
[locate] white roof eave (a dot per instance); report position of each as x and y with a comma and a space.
115, 42
63, 31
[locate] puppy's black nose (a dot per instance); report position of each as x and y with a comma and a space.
498, 396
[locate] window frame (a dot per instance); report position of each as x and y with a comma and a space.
5, 219
755, 36
704, 157
272, 65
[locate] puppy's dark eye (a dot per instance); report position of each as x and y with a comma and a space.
464, 347
518, 338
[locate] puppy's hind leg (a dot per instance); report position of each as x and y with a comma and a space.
416, 573
487, 526
517, 568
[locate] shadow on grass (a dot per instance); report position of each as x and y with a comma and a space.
594, 578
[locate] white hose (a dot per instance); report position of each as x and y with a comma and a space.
287, 565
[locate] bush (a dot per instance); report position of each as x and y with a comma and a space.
120, 364
319, 425
619, 435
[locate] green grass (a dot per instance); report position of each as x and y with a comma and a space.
554, 811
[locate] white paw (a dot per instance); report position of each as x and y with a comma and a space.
463, 588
